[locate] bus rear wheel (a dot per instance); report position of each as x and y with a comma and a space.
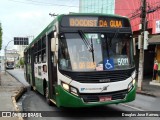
31, 88
47, 96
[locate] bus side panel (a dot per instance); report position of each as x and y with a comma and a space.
25, 72
32, 68
25, 66
39, 84
29, 74
38, 78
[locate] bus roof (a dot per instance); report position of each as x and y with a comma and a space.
58, 18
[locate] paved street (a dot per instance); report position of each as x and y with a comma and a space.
146, 103
33, 101
19, 75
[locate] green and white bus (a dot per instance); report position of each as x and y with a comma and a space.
82, 60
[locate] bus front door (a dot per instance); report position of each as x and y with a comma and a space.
52, 70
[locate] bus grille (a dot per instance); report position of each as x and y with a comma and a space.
99, 76
103, 77
94, 97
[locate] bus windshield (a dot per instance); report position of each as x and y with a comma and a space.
95, 51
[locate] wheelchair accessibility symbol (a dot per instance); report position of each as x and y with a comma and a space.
109, 64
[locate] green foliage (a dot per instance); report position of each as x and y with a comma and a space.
0, 37
21, 62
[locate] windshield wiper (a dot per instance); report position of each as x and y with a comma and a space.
87, 43
92, 49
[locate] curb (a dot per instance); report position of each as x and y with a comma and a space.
145, 93
16, 97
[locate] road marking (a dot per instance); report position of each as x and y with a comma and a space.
132, 107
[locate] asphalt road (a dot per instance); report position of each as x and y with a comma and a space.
19, 75
33, 101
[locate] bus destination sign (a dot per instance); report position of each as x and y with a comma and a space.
86, 22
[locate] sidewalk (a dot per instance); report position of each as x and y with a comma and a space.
10, 90
147, 89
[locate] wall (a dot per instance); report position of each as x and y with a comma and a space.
130, 9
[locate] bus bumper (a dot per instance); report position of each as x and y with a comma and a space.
66, 99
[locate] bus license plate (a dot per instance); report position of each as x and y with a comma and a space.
105, 98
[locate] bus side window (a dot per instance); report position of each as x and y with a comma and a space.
35, 59
44, 57
39, 70
39, 58
44, 68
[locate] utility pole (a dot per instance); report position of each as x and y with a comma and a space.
141, 53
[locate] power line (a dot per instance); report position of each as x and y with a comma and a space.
63, 8
44, 4
155, 3
137, 12
51, 4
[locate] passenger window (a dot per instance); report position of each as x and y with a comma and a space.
44, 68
39, 58
39, 70
44, 57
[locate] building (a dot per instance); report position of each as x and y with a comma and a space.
133, 11
96, 6
21, 50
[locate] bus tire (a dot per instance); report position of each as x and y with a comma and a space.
28, 80
31, 88
47, 96
46, 92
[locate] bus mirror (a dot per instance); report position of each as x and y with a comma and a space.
54, 44
55, 34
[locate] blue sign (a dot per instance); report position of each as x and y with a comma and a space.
82, 89
108, 64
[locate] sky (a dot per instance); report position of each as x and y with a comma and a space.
27, 18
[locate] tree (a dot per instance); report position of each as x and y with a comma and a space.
0, 37
21, 62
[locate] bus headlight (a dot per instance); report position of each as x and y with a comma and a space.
65, 86
133, 74
131, 84
70, 88
134, 81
